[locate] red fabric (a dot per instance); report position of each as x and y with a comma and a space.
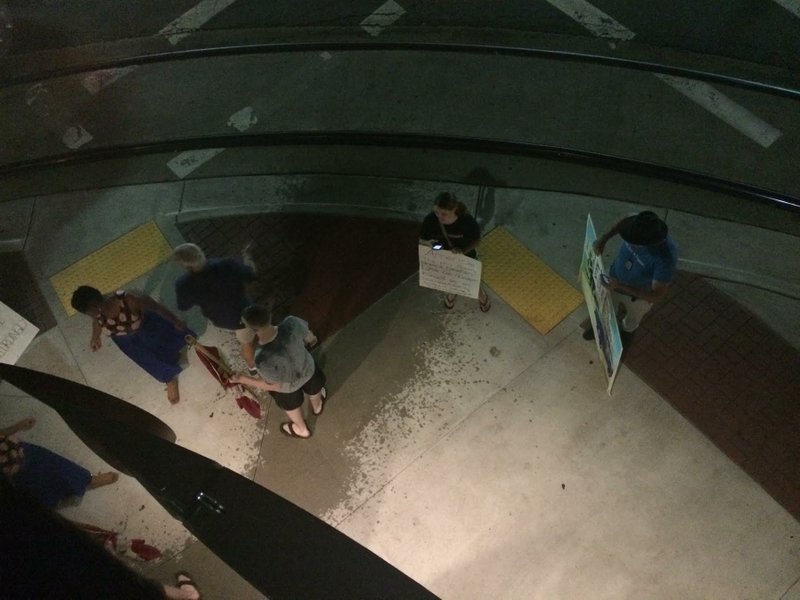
144, 551
252, 407
219, 373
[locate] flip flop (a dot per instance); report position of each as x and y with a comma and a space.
290, 432
183, 579
485, 306
449, 302
324, 393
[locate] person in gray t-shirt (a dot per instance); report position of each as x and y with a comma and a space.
288, 371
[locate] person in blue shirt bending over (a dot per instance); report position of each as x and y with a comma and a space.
219, 286
642, 271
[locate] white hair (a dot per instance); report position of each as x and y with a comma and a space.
190, 256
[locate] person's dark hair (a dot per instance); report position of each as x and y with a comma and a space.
85, 297
257, 316
448, 201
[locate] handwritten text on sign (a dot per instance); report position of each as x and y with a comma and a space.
448, 272
15, 335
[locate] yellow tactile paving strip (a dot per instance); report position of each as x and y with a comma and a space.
525, 283
115, 264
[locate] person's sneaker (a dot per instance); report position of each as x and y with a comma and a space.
588, 334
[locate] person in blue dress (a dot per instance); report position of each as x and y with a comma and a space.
45, 475
145, 330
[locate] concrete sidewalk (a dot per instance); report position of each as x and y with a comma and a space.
476, 455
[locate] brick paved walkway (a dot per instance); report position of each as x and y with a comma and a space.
325, 269
731, 376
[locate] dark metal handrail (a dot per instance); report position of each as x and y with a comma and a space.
419, 142
389, 46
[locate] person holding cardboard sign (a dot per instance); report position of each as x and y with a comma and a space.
450, 227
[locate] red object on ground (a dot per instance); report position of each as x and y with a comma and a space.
144, 551
216, 367
211, 358
252, 407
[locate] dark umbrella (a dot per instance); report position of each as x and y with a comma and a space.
282, 550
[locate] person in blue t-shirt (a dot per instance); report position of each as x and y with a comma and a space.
642, 271
219, 286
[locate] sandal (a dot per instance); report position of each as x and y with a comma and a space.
449, 301
183, 579
287, 429
486, 304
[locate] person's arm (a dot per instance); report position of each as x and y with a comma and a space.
256, 383
655, 294
430, 231
309, 339
469, 247
96, 340
140, 302
247, 258
473, 230
22, 425
183, 298
600, 243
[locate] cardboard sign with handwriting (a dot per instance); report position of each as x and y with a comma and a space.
448, 272
16, 334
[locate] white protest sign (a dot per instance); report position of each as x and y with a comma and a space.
16, 334
449, 272
601, 307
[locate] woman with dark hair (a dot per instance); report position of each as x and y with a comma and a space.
145, 330
451, 225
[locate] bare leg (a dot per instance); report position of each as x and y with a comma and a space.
173, 393
298, 422
316, 402
101, 479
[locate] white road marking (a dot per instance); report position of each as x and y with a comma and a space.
186, 162
714, 101
193, 19
97, 80
384, 15
243, 119
724, 108
593, 19
75, 137
326, 55
793, 6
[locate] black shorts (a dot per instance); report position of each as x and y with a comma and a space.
292, 400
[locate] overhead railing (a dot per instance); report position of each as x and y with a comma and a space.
774, 89
415, 142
